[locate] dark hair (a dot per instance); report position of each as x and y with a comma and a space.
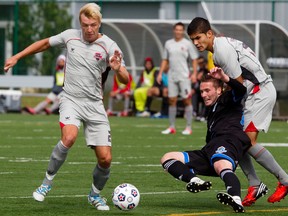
216, 82
179, 24
198, 25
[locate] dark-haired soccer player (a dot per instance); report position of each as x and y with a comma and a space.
239, 62
177, 53
226, 142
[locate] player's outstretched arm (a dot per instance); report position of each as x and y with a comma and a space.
36, 47
115, 64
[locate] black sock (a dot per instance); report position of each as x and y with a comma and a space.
231, 181
148, 103
165, 106
178, 170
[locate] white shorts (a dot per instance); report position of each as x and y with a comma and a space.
258, 108
181, 87
93, 115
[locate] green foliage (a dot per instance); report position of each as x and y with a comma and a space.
37, 21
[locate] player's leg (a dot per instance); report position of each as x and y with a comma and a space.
152, 92
50, 97
173, 92
185, 93
224, 169
258, 118
69, 132
140, 96
127, 96
98, 137
179, 166
109, 111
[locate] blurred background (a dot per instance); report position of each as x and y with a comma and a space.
141, 28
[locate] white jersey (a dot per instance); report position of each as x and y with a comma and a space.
179, 53
85, 62
236, 58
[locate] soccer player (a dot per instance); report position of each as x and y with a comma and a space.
226, 141
177, 53
53, 96
238, 61
89, 53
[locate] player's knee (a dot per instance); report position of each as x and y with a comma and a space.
68, 140
105, 161
169, 156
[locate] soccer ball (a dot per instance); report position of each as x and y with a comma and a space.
126, 197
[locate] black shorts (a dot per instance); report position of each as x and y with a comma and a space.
230, 148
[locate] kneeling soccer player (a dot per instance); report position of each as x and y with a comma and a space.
225, 141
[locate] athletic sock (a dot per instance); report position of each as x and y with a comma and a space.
249, 171
57, 158
231, 181
126, 104
100, 177
110, 104
189, 112
165, 106
148, 103
54, 106
266, 159
40, 106
172, 115
178, 170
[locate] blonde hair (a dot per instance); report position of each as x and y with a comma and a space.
91, 10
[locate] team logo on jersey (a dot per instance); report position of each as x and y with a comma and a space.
221, 150
98, 56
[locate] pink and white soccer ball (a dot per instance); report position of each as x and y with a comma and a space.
126, 197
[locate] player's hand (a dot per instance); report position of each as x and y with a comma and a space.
115, 61
218, 73
159, 78
9, 63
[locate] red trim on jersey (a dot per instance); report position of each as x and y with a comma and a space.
256, 89
251, 128
61, 125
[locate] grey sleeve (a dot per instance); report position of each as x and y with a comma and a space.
226, 57
58, 40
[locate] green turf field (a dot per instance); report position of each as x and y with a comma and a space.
27, 141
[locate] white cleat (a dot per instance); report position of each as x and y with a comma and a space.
40, 193
187, 131
196, 185
233, 201
169, 131
98, 202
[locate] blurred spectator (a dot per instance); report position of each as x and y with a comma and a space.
120, 91
146, 81
158, 90
199, 109
53, 96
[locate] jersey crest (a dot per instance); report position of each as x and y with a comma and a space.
221, 150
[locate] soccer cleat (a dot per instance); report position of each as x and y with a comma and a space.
30, 110
233, 201
280, 193
109, 113
40, 193
187, 131
143, 114
254, 193
98, 202
196, 185
169, 131
47, 111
